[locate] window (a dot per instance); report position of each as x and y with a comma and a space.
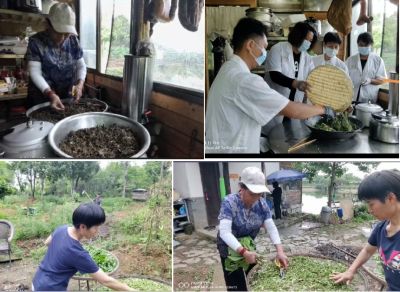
87, 23
356, 30
384, 31
179, 54
115, 35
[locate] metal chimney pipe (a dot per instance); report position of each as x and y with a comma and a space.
138, 69
394, 95
137, 86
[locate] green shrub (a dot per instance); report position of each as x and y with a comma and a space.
361, 214
28, 227
6, 189
58, 200
14, 199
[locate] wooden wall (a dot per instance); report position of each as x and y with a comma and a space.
182, 133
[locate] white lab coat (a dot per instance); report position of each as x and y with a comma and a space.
239, 103
280, 58
334, 61
374, 68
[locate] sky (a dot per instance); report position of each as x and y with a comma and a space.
383, 165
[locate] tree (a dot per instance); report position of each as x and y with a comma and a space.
74, 171
31, 171
333, 170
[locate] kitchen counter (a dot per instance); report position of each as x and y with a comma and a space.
285, 135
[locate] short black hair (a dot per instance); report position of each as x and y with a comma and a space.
379, 184
89, 214
366, 38
332, 37
299, 33
245, 29
275, 184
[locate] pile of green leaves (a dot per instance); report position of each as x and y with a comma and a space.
303, 274
339, 123
105, 260
141, 285
234, 260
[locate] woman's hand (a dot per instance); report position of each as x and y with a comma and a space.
283, 259
77, 90
55, 102
345, 277
250, 257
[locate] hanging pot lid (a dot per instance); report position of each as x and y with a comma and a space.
27, 134
386, 118
369, 107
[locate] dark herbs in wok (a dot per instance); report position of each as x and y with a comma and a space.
340, 123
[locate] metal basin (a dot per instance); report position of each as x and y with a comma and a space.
91, 120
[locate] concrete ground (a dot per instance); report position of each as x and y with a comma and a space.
197, 264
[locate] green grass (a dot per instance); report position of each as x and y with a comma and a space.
112, 204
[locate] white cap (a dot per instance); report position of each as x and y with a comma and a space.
254, 180
62, 18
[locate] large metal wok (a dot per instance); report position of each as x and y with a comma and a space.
322, 134
40, 106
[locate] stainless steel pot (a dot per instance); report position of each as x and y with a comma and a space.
262, 14
384, 127
27, 141
364, 112
64, 101
91, 120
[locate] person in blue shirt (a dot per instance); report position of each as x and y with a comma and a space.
65, 255
241, 215
55, 60
381, 191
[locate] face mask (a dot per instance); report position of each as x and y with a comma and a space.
364, 50
260, 60
330, 52
305, 45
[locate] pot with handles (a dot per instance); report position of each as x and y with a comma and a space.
364, 112
384, 127
27, 141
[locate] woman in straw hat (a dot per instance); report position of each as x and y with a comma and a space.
55, 60
242, 215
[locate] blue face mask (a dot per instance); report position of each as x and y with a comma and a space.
364, 50
305, 45
261, 59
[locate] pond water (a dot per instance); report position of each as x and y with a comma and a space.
312, 204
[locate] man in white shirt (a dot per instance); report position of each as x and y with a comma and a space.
240, 102
331, 45
366, 70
